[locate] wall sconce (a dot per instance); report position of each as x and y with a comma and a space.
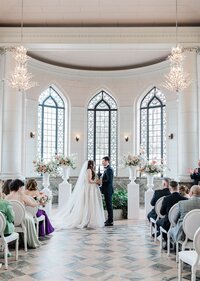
77, 138
170, 136
126, 138
32, 135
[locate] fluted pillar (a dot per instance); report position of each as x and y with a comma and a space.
188, 131
12, 125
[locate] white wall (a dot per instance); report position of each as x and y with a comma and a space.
127, 87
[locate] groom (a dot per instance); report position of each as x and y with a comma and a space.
107, 189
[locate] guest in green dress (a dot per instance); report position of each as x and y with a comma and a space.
6, 209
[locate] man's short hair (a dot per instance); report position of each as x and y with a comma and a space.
173, 185
195, 189
167, 180
106, 158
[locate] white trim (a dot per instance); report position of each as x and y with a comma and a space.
79, 35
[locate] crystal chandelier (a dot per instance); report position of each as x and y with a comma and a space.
20, 78
177, 80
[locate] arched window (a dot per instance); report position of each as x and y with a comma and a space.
102, 129
51, 124
153, 125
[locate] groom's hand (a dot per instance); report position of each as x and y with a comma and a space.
98, 181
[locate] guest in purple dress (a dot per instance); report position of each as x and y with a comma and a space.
32, 190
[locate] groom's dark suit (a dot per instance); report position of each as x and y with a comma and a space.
107, 190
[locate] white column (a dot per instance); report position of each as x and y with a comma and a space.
149, 194
12, 126
65, 189
188, 133
133, 201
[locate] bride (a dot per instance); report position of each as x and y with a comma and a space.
84, 208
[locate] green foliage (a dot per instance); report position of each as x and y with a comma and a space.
120, 201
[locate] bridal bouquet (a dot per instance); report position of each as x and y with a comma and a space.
62, 160
131, 160
151, 168
42, 167
42, 198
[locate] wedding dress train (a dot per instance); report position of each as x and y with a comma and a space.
84, 208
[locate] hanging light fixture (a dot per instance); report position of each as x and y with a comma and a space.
20, 78
177, 80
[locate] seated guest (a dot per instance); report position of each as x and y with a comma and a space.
32, 190
7, 210
195, 174
157, 195
183, 208
184, 191
167, 203
6, 187
16, 193
1, 183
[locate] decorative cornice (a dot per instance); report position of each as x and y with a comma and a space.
42, 66
192, 49
94, 35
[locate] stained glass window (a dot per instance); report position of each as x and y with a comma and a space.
102, 129
153, 125
51, 123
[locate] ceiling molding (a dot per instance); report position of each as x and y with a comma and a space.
42, 66
94, 35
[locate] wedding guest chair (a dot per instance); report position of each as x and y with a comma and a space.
191, 223
4, 241
171, 216
20, 227
37, 220
191, 257
153, 221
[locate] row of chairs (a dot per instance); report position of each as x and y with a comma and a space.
19, 211
191, 228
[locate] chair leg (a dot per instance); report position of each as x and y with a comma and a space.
44, 227
37, 228
180, 270
161, 240
155, 234
151, 228
25, 241
16, 249
6, 255
193, 277
177, 245
168, 244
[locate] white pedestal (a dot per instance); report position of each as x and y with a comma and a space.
64, 193
133, 201
48, 206
148, 196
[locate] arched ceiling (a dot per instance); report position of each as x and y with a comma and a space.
100, 14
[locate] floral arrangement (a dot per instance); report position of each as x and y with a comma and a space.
62, 160
131, 160
42, 198
42, 167
151, 168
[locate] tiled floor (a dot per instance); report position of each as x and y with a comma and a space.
122, 252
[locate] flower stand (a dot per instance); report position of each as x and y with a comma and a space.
48, 192
65, 189
149, 194
133, 195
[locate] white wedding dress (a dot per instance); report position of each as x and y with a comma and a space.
84, 208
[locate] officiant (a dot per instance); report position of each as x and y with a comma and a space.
195, 174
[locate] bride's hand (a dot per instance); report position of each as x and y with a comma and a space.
97, 181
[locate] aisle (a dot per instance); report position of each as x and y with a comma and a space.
122, 252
